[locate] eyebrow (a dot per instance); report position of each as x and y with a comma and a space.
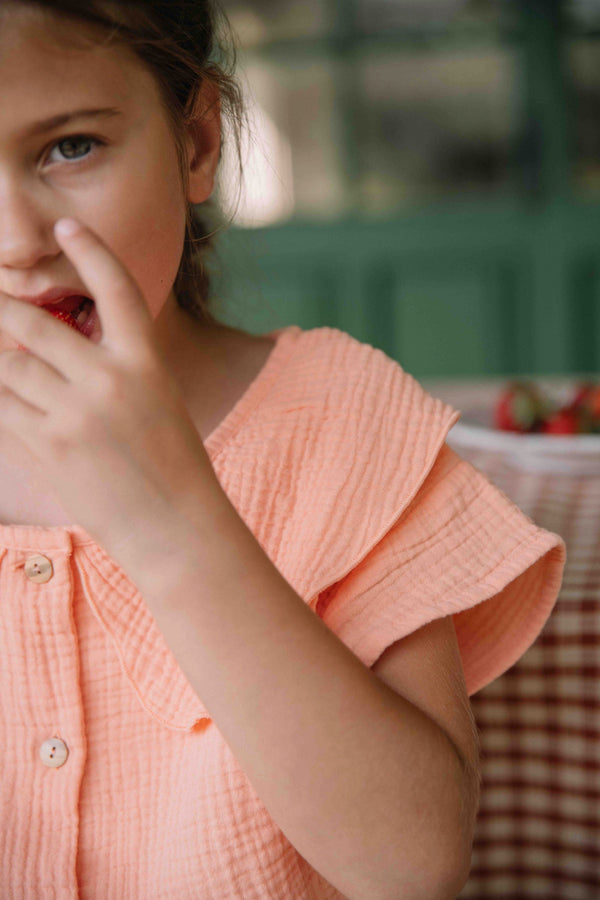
65, 118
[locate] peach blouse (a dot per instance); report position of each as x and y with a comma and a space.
115, 783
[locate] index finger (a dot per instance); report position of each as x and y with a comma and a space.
124, 316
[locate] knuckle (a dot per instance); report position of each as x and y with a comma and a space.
108, 386
34, 324
11, 363
60, 435
101, 386
66, 432
6, 399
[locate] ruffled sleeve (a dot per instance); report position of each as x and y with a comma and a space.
460, 548
344, 476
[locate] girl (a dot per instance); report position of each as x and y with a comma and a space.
245, 586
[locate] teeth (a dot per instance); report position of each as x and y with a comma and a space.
80, 315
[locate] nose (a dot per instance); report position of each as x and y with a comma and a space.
26, 232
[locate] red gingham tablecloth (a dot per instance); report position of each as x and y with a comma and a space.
538, 830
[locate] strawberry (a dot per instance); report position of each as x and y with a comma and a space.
587, 404
593, 402
58, 314
563, 421
582, 392
520, 408
503, 415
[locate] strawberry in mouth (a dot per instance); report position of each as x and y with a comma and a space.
77, 312
78, 317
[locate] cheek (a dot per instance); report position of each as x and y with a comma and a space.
155, 257
147, 233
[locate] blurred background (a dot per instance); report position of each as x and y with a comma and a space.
424, 174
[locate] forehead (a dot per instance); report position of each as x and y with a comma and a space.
45, 63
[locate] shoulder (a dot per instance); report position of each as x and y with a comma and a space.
338, 445
329, 400
339, 356
331, 374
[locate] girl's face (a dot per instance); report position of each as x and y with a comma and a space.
113, 165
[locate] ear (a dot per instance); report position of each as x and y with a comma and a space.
204, 142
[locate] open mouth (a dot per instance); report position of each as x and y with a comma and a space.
79, 312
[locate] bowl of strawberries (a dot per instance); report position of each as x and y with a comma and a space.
523, 407
543, 424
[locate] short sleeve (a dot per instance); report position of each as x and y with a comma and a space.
460, 548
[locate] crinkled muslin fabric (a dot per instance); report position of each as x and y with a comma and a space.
336, 460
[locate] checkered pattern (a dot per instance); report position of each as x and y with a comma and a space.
538, 832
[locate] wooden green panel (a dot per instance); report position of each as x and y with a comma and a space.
508, 319
584, 315
288, 292
491, 292
550, 261
441, 324
379, 305
518, 330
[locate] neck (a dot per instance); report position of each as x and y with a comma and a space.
212, 364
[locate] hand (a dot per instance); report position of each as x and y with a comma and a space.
106, 421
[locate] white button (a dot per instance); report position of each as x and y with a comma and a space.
39, 569
53, 753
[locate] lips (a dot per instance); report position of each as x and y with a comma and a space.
78, 311
56, 296
67, 304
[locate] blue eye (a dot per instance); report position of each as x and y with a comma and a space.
68, 147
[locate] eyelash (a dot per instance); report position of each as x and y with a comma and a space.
75, 139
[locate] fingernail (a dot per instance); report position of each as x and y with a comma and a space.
67, 227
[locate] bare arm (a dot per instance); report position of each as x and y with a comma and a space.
371, 775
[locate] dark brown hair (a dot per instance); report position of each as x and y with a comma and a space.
183, 43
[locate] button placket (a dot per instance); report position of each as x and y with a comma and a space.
40, 647
53, 752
